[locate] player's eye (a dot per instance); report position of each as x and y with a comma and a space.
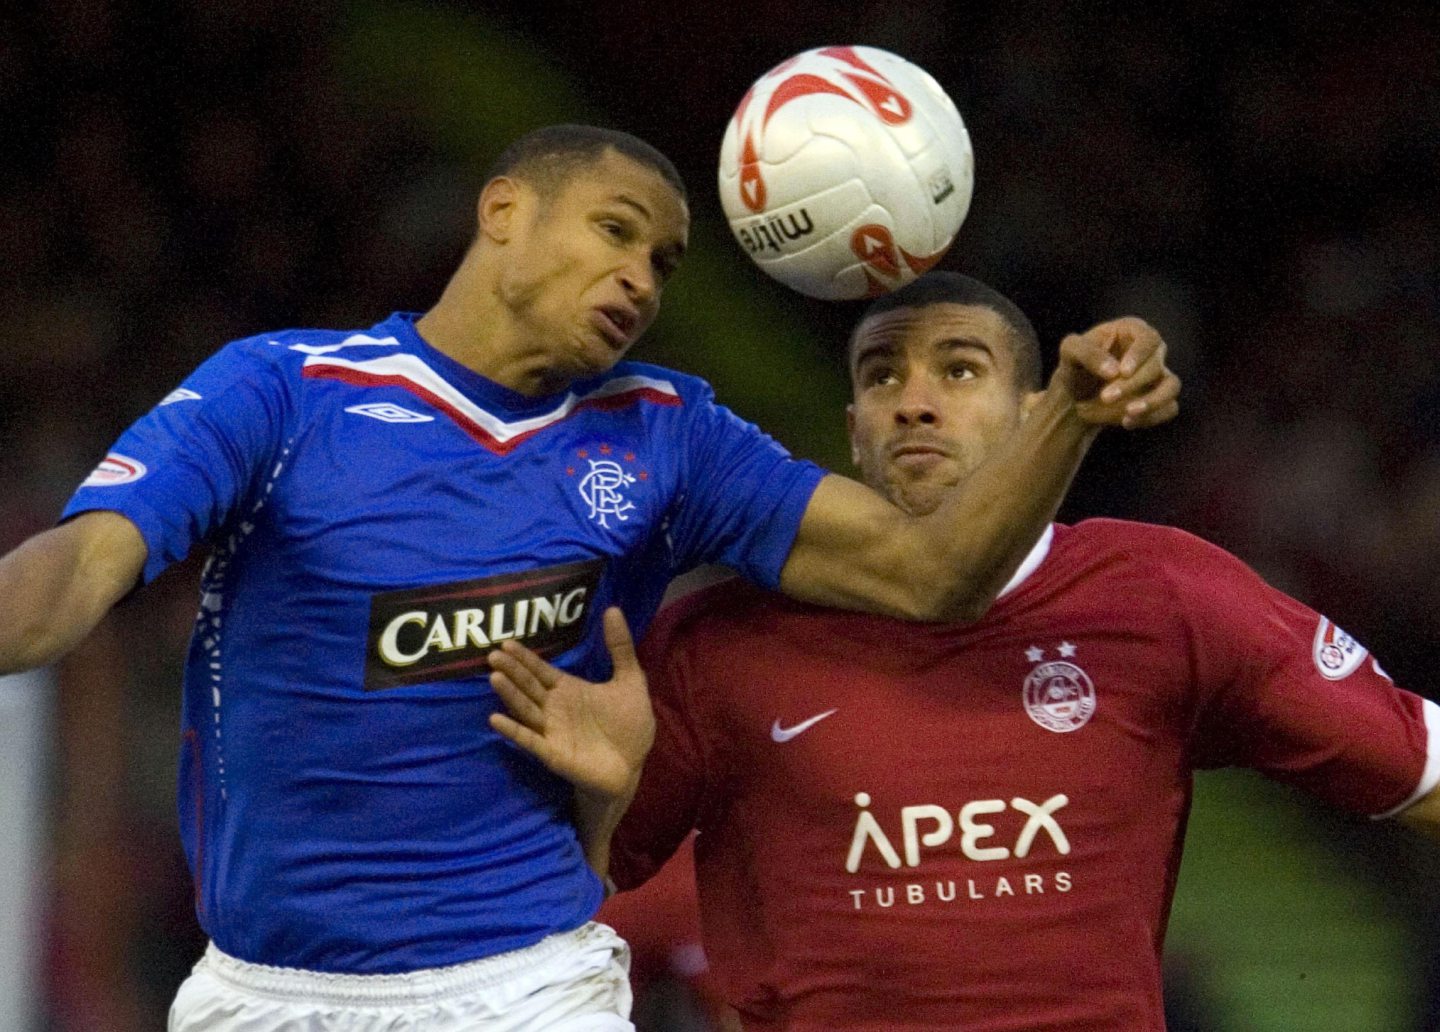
877, 376
616, 230
961, 371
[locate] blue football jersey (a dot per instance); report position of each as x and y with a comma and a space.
380, 517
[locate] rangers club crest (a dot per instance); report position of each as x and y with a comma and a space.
1059, 695
1337, 655
605, 486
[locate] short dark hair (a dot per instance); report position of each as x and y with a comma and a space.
938, 288
546, 157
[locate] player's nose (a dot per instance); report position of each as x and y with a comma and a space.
916, 404
640, 282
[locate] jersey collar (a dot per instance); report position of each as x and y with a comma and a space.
1032, 561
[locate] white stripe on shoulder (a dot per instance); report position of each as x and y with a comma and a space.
415, 371
1430, 777
352, 341
1032, 561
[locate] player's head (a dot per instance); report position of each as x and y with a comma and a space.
942, 370
583, 226
547, 158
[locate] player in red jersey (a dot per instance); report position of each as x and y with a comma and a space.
978, 826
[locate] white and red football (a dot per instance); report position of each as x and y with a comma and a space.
846, 172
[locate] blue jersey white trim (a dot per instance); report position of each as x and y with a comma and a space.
379, 517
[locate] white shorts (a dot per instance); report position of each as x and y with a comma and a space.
572, 982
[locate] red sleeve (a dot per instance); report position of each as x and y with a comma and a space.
672, 786
1283, 690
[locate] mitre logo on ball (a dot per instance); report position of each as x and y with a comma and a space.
846, 172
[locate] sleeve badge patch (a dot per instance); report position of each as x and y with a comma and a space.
115, 469
1337, 655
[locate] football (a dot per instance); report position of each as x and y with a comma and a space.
846, 172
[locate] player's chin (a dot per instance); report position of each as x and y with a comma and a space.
917, 497
595, 354
921, 492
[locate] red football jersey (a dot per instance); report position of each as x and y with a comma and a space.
908, 826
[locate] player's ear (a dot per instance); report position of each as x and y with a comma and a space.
850, 430
496, 208
1028, 401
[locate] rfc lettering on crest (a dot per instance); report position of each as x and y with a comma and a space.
608, 476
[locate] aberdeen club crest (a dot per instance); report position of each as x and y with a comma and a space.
1058, 694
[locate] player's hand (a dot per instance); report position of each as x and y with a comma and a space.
594, 735
1117, 375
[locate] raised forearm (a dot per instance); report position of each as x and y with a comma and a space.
962, 554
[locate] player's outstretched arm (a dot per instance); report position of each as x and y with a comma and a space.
594, 735
857, 551
56, 586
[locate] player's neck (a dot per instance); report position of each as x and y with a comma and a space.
472, 327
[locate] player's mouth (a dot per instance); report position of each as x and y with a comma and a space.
616, 324
918, 453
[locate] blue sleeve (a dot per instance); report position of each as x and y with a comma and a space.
743, 496
196, 460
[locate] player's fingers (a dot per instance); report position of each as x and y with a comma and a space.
1091, 352
521, 736
1165, 389
521, 706
542, 672
1159, 406
524, 679
1138, 383
1134, 342
619, 642
1152, 417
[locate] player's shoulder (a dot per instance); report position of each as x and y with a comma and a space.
293, 346
1167, 552
661, 380
1132, 535
278, 361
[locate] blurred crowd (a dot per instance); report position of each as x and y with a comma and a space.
1257, 180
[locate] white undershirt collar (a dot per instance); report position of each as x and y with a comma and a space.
1032, 561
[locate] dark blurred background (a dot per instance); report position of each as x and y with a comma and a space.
1259, 181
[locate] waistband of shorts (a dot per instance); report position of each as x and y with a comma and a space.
428, 985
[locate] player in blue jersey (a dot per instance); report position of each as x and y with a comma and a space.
386, 506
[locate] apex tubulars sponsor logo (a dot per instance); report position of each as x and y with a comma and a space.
443, 632
981, 831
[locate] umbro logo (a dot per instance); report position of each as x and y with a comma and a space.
388, 412
784, 734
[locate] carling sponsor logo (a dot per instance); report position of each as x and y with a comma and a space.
443, 632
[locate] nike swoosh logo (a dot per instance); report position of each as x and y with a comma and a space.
784, 734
